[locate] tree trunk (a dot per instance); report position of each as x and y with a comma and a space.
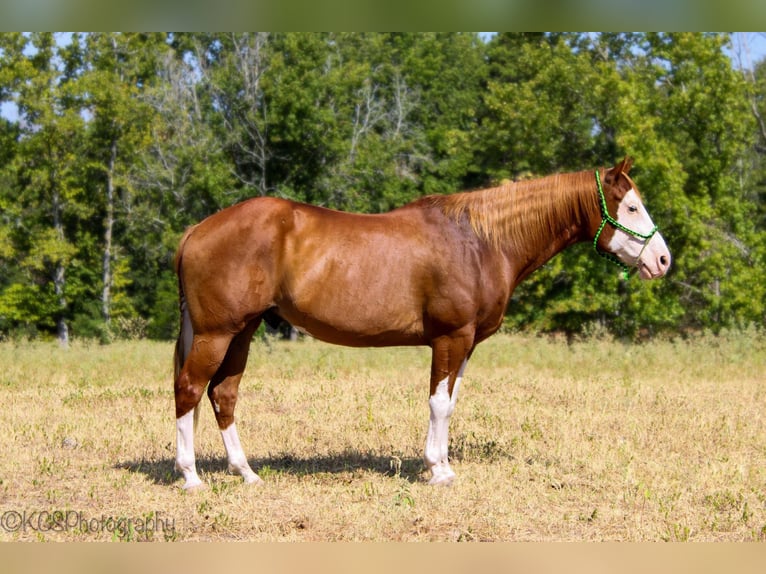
62, 329
106, 293
59, 276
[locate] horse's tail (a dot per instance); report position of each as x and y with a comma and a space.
186, 333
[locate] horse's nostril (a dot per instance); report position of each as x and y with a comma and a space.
663, 260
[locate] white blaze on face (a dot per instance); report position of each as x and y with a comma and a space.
650, 256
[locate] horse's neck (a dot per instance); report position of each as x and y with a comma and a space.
553, 214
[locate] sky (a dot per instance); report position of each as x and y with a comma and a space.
755, 41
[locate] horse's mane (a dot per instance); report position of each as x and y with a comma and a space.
522, 211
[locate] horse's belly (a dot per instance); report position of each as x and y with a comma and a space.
358, 281
338, 319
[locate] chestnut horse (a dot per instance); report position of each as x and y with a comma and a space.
438, 272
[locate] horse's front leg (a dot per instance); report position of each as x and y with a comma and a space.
450, 357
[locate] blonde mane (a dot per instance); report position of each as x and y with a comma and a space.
522, 211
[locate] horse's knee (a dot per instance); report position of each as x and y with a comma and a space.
223, 398
187, 395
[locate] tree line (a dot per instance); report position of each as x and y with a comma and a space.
111, 144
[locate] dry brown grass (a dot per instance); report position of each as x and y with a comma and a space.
590, 441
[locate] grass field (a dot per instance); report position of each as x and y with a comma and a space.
593, 440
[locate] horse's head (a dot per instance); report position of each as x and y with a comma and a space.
627, 234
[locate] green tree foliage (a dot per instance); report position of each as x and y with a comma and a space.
117, 142
120, 67
695, 152
673, 101
45, 231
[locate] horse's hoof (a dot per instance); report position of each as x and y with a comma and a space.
442, 480
255, 480
191, 486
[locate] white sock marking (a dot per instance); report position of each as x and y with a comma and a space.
185, 462
442, 405
237, 459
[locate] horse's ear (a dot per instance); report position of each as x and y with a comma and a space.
622, 168
611, 174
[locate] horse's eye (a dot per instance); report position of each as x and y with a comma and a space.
632, 208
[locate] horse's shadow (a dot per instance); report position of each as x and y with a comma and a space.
163, 471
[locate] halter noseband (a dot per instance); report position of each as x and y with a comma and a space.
606, 218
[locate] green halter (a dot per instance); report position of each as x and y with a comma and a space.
606, 218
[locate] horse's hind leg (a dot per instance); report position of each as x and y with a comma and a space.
201, 356
223, 396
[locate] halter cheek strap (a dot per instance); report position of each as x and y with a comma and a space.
606, 218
